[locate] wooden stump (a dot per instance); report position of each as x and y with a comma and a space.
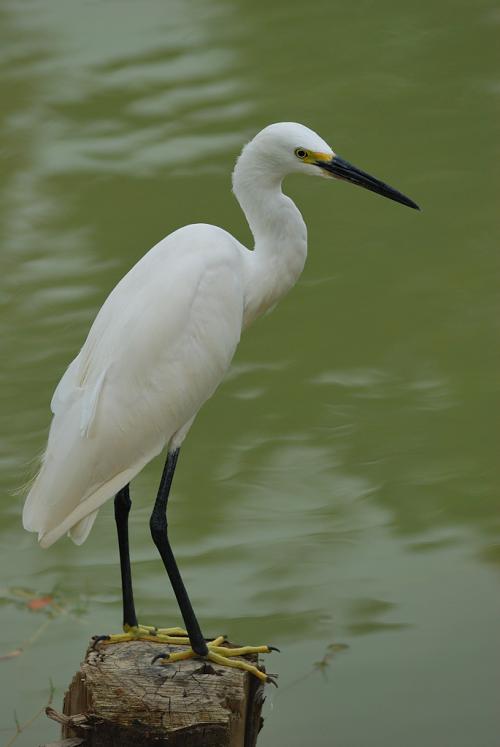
120, 699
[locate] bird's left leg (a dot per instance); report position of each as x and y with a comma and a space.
122, 510
131, 628
212, 650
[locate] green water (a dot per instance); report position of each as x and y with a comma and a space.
342, 486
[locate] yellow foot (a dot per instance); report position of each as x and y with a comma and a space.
222, 655
174, 636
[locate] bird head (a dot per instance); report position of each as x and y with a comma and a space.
288, 147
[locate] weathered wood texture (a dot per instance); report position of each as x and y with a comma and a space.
120, 699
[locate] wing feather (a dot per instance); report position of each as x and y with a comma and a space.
90, 401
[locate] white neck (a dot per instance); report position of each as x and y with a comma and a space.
279, 232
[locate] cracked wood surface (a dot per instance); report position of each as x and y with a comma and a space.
119, 698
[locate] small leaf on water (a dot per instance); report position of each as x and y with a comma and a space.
11, 654
39, 603
336, 648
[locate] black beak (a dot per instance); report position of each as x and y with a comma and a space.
344, 170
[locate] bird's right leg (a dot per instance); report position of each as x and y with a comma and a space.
132, 629
159, 533
213, 650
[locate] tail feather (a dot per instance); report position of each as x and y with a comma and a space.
79, 521
81, 471
69, 489
79, 532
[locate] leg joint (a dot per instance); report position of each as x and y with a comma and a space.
123, 502
158, 526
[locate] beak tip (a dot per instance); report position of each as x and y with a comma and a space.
404, 200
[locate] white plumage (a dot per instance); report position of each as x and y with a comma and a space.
165, 337
157, 350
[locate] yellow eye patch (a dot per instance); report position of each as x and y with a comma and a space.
318, 156
312, 156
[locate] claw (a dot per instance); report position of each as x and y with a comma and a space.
273, 648
164, 655
96, 639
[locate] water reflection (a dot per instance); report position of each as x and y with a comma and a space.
141, 103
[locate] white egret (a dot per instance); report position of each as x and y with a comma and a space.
158, 349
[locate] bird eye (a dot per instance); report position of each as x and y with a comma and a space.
301, 153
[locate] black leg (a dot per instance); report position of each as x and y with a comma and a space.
122, 508
158, 525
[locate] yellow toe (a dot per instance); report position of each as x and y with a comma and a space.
171, 636
237, 664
